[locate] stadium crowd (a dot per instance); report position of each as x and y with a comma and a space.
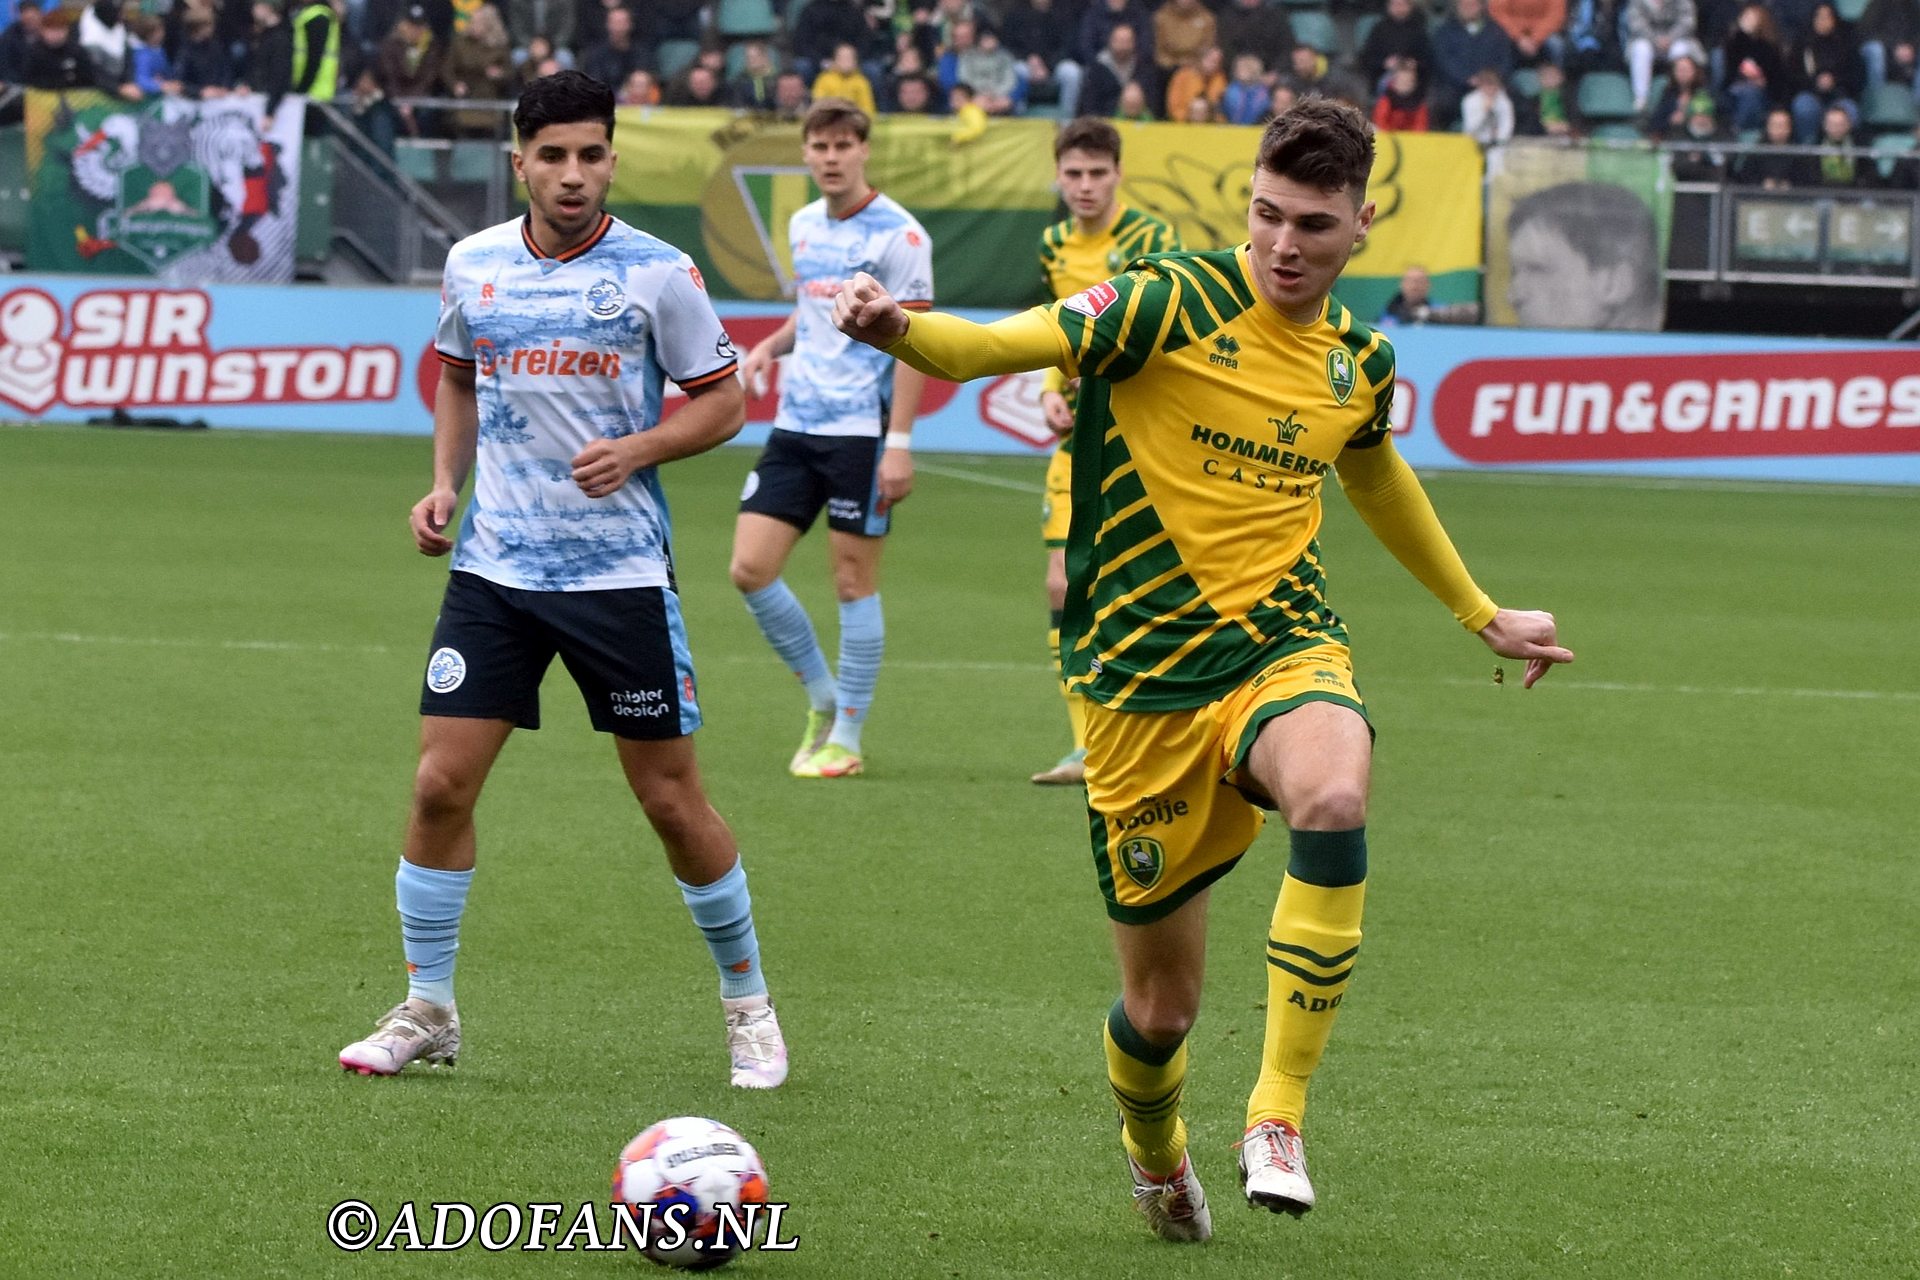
1833, 74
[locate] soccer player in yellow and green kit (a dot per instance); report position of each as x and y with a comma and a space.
1217, 391
1098, 240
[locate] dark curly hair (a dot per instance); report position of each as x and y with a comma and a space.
1321, 143
565, 97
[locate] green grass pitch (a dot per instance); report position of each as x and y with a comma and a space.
1637, 996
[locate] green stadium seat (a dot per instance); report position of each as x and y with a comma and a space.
13, 189
313, 233
1618, 131
1657, 87
1606, 95
1889, 149
738, 19
421, 163
1525, 83
1850, 10
1888, 106
474, 161
675, 56
1314, 28
1750, 137
1362, 28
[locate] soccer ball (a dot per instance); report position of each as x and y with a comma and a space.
685, 1181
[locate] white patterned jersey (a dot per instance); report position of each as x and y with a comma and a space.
832, 385
565, 351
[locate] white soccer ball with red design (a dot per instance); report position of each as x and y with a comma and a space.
686, 1183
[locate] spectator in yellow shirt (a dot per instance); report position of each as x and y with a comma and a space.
969, 117
844, 79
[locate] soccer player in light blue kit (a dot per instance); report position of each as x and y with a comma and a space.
841, 439
557, 334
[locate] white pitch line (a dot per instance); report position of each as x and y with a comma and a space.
926, 664
163, 642
955, 473
302, 646
912, 664
1722, 691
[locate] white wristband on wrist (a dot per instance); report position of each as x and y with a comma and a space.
901, 440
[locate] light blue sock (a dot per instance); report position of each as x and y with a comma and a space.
431, 904
863, 638
724, 912
784, 622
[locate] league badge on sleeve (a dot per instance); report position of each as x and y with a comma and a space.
1091, 302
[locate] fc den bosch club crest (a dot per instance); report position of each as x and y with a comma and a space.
1340, 374
1143, 860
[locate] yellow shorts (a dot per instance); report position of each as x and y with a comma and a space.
1056, 509
1165, 806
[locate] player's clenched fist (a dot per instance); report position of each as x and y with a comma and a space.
603, 466
867, 313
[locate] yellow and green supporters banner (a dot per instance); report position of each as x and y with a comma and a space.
190, 192
722, 186
1425, 189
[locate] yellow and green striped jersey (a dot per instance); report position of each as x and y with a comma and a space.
1071, 261
1206, 424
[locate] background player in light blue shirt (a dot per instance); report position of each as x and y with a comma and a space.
557, 335
841, 439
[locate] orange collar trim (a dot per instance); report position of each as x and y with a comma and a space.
873, 193
533, 246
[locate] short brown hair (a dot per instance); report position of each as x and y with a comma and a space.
828, 114
1091, 134
1320, 143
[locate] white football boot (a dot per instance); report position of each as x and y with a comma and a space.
412, 1029
1273, 1168
1174, 1205
754, 1043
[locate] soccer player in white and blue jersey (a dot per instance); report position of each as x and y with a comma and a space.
557, 335
841, 439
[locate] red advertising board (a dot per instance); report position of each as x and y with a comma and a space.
1555, 409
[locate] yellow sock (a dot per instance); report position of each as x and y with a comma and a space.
1147, 1081
1311, 948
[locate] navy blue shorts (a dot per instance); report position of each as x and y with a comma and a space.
625, 648
799, 474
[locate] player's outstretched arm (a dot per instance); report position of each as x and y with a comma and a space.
944, 346
456, 432
712, 415
1390, 499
